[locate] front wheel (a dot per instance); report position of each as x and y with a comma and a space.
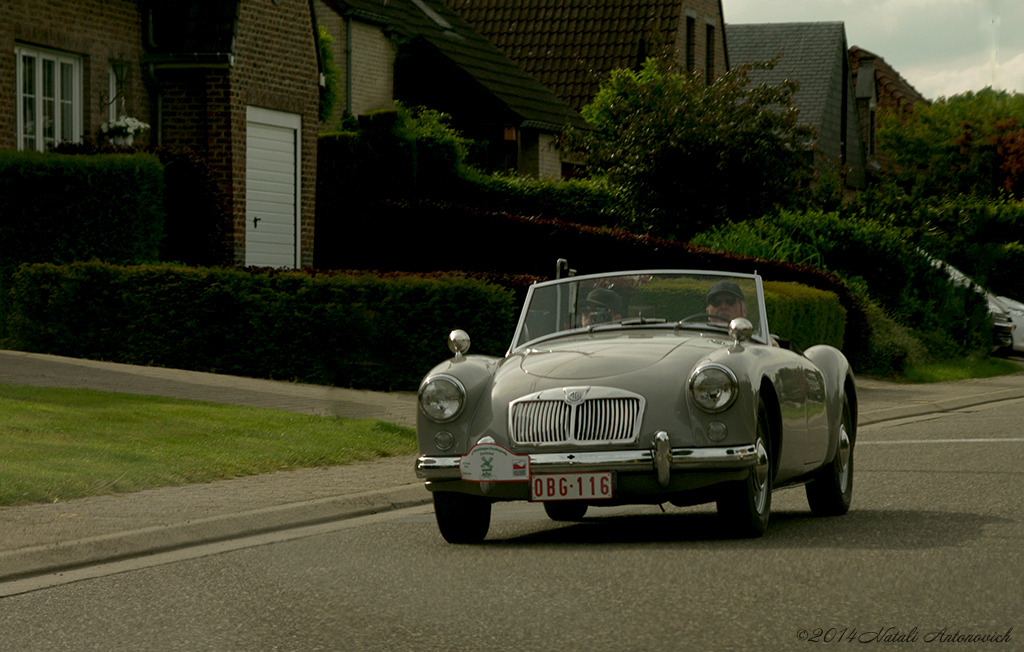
831, 491
462, 518
745, 505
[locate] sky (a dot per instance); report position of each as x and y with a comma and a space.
942, 47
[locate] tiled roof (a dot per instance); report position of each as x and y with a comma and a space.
571, 45
891, 89
811, 54
450, 35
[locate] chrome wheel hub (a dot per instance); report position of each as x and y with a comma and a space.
845, 451
761, 477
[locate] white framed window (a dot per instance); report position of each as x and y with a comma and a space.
49, 97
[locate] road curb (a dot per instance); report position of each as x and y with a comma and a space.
937, 406
68, 555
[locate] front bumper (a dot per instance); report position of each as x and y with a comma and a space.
659, 460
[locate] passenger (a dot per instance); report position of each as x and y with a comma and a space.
603, 307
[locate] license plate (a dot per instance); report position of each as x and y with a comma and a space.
571, 486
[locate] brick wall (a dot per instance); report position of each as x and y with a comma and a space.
275, 68
96, 30
372, 66
705, 13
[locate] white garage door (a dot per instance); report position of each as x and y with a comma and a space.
272, 207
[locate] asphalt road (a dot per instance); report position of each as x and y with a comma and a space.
930, 557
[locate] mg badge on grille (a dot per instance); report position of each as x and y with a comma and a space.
575, 395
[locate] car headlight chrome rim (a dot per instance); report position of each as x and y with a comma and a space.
442, 398
713, 388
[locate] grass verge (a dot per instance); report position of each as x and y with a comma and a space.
59, 444
960, 370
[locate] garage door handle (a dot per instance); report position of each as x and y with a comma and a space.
255, 222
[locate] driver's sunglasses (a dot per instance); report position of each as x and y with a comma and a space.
719, 299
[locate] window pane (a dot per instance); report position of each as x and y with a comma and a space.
67, 94
28, 102
48, 103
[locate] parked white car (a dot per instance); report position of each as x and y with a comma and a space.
1016, 311
1007, 314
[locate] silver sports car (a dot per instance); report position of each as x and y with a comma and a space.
639, 387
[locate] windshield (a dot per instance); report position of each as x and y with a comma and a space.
697, 300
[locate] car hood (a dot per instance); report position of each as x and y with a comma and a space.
592, 358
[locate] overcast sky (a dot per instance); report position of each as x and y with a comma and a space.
942, 47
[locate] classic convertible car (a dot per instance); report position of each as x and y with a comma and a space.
640, 387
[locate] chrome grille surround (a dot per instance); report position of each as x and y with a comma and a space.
579, 416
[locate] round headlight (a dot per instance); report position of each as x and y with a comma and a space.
442, 398
714, 388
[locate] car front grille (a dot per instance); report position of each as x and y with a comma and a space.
540, 420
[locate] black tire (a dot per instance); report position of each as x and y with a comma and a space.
746, 505
567, 510
831, 490
462, 518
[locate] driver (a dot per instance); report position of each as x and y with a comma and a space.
604, 307
726, 301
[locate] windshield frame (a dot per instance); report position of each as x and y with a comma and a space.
571, 284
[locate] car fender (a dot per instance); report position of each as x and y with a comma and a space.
475, 373
839, 383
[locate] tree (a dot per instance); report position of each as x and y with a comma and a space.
688, 155
969, 144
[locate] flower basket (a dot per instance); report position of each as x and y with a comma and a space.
123, 130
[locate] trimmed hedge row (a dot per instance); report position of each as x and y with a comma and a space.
447, 235
353, 330
344, 329
789, 306
62, 208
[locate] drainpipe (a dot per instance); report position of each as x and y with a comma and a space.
348, 66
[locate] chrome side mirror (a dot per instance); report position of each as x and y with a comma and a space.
458, 342
741, 330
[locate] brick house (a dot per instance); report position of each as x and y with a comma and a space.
815, 55
878, 88
236, 81
571, 46
420, 53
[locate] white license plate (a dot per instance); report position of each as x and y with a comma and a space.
571, 486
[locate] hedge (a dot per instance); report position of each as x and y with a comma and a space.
447, 235
62, 208
353, 330
803, 315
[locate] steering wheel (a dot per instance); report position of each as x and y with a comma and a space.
703, 317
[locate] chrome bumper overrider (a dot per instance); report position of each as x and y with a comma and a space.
661, 460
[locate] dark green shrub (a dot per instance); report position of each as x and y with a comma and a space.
197, 224
804, 316
357, 330
882, 260
581, 201
61, 208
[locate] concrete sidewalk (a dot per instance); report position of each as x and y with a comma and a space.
40, 539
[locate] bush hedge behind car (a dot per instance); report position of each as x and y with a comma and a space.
60, 208
351, 330
346, 329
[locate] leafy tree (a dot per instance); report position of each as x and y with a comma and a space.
968, 144
332, 76
688, 155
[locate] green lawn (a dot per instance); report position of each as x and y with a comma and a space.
960, 370
59, 444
